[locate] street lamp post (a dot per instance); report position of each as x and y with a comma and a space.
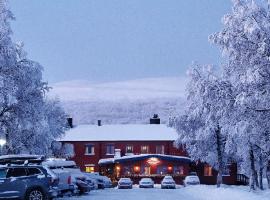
2, 143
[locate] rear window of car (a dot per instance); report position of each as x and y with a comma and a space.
33, 171
3, 173
16, 172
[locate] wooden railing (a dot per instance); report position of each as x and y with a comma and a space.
242, 179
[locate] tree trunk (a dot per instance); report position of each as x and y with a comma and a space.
261, 172
257, 179
219, 155
268, 174
252, 169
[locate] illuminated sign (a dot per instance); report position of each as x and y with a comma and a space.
153, 161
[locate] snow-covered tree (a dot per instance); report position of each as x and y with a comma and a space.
201, 127
245, 41
60, 150
28, 121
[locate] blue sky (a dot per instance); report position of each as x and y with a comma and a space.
113, 40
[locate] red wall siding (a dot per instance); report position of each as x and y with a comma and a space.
100, 150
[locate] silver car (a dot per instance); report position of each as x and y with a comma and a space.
168, 183
191, 180
146, 183
125, 183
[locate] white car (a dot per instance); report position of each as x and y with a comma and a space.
125, 183
168, 183
191, 180
146, 183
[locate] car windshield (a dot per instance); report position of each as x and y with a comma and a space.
146, 180
125, 180
3, 173
193, 178
168, 178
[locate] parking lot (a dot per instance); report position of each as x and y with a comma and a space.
134, 194
200, 192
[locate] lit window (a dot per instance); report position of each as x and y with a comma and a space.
110, 149
179, 170
208, 170
89, 169
89, 149
129, 149
160, 149
144, 149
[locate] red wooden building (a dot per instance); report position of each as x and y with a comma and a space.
136, 150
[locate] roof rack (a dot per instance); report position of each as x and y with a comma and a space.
21, 159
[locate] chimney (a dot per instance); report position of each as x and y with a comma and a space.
117, 153
70, 122
99, 122
155, 119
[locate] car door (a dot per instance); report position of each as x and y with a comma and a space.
35, 177
4, 186
13, 185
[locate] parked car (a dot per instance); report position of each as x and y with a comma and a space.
65, 184
107, 181
92, 183
168, 183
146, 183
82, 184
76, 175
27, 182
192, 179
98, 179
125, 183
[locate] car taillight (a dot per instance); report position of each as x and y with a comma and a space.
69, 180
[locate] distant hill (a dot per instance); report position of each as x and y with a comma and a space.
133, 101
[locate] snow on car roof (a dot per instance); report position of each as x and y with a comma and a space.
123, 132
58, 163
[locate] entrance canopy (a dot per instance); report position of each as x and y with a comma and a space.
140, 157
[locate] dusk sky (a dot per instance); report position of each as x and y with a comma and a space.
113, 40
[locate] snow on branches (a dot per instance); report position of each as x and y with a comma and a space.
28, 121
237, 103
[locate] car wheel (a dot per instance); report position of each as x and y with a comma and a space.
35, 194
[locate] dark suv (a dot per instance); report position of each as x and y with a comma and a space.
27, 182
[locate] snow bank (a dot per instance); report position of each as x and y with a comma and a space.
206, 192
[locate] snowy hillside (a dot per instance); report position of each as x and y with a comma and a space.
121, 102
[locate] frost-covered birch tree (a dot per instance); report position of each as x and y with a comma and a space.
245, 43
200, 129
28, 121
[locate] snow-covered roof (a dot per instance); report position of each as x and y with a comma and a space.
123, 132
143, 156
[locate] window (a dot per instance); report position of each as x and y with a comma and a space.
89, 169
16, 172
178, 170
208, 170
110, 149
226, 171
129, 149
89, 149
3, 173
144, 149
160, 149
33, 171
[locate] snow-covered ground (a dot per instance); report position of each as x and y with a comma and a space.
201, 192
